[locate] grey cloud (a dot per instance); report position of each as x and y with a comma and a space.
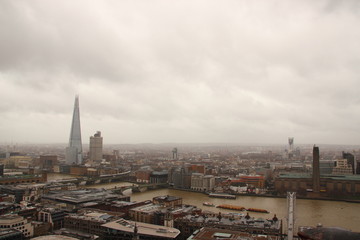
181, 71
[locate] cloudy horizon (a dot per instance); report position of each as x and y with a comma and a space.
181, 71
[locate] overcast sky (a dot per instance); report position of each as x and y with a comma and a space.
181, 71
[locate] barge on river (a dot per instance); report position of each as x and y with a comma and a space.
259, 210
231, 207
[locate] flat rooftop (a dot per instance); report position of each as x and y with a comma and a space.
54, 237
94, 216
10, 217
327, 176
148, 208
207, 233
4, 232
239, 220
82, 196
143, 228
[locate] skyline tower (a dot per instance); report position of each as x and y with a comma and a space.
74, 150
316, 169
175, 153
96, 147
291, 144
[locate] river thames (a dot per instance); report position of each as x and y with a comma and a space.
308, 212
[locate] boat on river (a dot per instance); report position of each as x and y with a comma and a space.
231, 207
222, 195
208, 204
259, 210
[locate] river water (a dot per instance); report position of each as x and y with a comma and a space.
307, 212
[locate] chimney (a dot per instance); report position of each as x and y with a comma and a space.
316, 169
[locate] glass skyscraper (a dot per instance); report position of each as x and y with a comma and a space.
74, 150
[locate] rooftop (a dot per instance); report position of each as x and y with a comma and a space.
94, 216
10, 217
235, 220
328, 176
207, 233
143, 228
148, 208
4, 232
54, 237
82, 196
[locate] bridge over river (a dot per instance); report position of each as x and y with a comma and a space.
91, 180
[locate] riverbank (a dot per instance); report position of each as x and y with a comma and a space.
353, 199
350, 200
308, 212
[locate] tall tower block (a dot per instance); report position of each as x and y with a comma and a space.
291, 144
316, 169
96, 147
74, 150
175, 153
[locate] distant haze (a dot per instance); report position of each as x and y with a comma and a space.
181, 71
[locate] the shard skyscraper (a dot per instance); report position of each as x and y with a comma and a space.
74, 150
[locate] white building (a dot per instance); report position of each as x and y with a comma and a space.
202, 183
197, 181
208, 183
342, 167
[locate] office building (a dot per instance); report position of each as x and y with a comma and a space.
129, 230
343, 167
150, 213
53, 216
47, 162
89, 221
159, 177
168, 201
181, 178
74, 150
11, 234
351, 161
327, 166
197, 181
96, 148
202, 183
16, 222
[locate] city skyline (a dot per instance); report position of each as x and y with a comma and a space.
181, 72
